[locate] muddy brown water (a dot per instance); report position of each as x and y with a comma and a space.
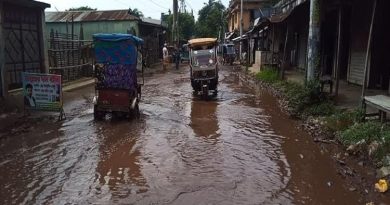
235, 149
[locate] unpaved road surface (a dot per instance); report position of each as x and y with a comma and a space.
237, 148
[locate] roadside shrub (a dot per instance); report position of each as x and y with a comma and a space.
268, 75
368, 131
302, 100
341, 120
297, 96
384, 149
321, 109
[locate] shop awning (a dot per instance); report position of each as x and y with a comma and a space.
229, 35
244, 37
280, 17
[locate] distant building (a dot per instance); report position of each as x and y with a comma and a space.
87, 23
252, 9
91, 22
22, 45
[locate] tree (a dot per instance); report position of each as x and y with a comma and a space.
136, 12
211, 21
186, 25
82, 8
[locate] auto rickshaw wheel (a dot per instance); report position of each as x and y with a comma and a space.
136, 111
205, 92
97, 115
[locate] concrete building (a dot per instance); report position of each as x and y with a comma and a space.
251, 11
22, 44
344, 36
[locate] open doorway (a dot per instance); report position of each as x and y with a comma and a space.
329, 44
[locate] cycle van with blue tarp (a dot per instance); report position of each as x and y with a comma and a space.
118, 64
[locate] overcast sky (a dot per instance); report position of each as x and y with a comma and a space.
150, 8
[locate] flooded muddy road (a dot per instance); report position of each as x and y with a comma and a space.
235, 149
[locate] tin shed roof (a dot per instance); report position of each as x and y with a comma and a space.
82, 16
151, 21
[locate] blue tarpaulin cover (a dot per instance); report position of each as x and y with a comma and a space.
116, 48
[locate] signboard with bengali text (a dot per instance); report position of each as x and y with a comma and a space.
42, 92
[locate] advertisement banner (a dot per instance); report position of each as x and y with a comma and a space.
42, 92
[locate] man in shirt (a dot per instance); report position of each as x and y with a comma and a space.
29, 100
165, 56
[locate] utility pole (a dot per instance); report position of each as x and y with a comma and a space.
241, 22
182, 8
313, 55
174, 23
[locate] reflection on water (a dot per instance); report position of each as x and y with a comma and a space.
204, 120
118, 169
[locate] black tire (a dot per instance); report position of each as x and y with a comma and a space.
205, 93
98, 115
136, 112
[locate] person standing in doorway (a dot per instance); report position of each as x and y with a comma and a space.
165, 56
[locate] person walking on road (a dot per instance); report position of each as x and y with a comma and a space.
165, 56
177, 58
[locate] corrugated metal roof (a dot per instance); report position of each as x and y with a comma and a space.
151, 21
80, 16
28, 3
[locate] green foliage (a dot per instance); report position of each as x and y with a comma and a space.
82, 8
268, 75
322, 109
342, 120
211, 19
368, 131
306, 100
298, 97
186, 25
136, 12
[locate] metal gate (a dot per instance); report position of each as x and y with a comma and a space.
22, 39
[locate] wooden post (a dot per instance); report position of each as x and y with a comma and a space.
174, 21
368, 51
273, 40
284, 54
339, 40
241, 29
3, 91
